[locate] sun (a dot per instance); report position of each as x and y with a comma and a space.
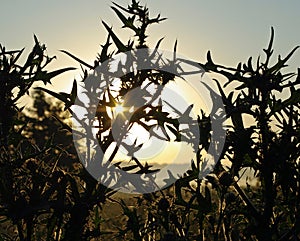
118, 109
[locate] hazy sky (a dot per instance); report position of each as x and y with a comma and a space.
232, 30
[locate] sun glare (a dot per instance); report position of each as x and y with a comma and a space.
118, 109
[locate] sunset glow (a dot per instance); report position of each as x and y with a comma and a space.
118, 109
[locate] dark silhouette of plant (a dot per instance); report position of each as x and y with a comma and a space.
269, 145
45, 199
23, 173
217, 201
16, 81
158, 74
39, 198
149, 116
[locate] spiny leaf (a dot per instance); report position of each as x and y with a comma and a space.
74, 91
132, 149
250, 68
129, 168
208, 56
281, 62
170, 180
17, 57
157, 19
156, 133
46, 77
77, 59
145, 126
104, 53
36, 40
174, 53
121, 47
68, 99
158, 43
156, 48
60, 96
269, 50
120, 15
210, 66
258, 63
175, 132
128, 23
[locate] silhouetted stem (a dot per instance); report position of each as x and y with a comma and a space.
20, 231
267, 169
